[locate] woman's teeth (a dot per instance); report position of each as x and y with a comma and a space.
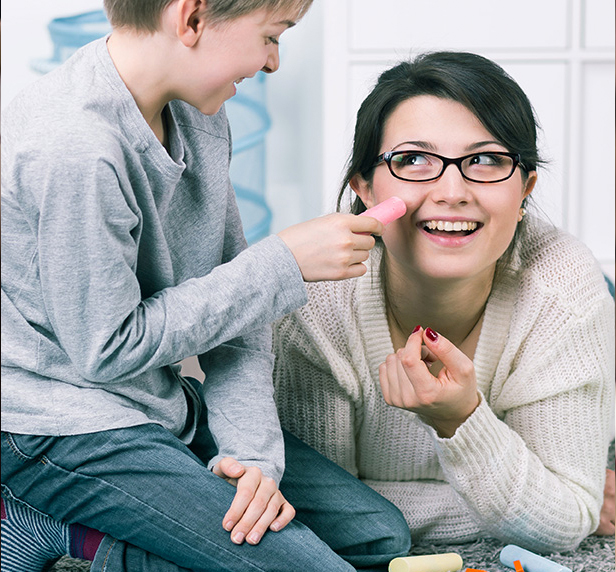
450, 226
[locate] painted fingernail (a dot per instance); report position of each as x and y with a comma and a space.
417, 328
432, 335
254, 538
238, 538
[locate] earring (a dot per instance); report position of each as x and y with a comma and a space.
521, 214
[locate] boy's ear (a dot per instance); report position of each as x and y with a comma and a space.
362, 189
190, 21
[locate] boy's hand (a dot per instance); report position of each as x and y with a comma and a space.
257, 506
332, 247
444, 401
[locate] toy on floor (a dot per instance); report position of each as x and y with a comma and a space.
449, 562
530, 561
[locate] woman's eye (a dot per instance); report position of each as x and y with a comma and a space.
273, 40
411, 160
487, 159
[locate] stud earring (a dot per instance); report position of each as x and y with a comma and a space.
521, 213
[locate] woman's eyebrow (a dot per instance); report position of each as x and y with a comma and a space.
423, 144
479, 144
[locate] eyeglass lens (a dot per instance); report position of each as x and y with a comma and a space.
482, 167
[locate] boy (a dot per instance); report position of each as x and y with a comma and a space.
123, 253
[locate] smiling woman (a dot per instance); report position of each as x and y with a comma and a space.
443, 376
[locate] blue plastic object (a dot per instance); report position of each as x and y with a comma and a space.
247, 114
250, 123
70, 33
530, 561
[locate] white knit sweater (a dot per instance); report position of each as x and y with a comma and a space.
528, 466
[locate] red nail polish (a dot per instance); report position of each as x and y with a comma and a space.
417, 328
432, 335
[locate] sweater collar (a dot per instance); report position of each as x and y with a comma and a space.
373, 322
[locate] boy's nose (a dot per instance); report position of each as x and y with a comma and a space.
273, 61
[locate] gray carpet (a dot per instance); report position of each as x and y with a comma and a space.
595, 554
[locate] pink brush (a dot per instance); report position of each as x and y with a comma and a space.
387, 211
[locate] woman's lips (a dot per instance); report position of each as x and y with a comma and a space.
450, 232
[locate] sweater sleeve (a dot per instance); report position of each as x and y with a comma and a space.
311, 404
530, 461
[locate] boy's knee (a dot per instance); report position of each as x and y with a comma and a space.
396, 535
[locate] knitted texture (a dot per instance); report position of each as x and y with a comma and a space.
528, 466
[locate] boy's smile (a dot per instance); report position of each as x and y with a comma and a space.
230, 52
193, 60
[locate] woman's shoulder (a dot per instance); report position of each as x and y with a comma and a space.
553, 260
329, 303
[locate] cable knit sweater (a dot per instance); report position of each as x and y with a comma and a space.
528, 466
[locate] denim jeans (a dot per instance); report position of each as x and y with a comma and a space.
162, 509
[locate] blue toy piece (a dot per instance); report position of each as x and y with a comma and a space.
530, 561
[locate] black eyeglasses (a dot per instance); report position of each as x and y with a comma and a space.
421, 166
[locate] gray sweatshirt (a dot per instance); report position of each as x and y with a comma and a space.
120, 259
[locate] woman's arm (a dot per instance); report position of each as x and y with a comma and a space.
311, 404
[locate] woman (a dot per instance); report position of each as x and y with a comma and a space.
468, 376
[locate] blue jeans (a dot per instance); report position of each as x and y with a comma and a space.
162, 508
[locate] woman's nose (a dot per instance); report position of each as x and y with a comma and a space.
451, 187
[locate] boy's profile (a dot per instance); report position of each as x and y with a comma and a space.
122, 254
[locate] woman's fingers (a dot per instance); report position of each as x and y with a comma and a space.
457, 364
444, 401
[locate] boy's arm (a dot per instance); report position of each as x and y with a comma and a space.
110, 328
238, 393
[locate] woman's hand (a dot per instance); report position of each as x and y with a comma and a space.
606, 524
444, 401
257, 505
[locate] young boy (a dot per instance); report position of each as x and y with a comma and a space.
122, 254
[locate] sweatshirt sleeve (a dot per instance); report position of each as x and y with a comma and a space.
237, 389
111, 329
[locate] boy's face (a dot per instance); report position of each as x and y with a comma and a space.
227, 53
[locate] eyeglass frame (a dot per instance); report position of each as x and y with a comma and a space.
457, 161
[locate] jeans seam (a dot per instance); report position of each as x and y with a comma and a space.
104, 565
15, 449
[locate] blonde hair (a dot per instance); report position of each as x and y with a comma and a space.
145, 15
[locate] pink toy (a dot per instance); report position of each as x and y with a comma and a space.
387, 211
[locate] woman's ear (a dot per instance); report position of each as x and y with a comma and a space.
530, 184
363, 190
190, 21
